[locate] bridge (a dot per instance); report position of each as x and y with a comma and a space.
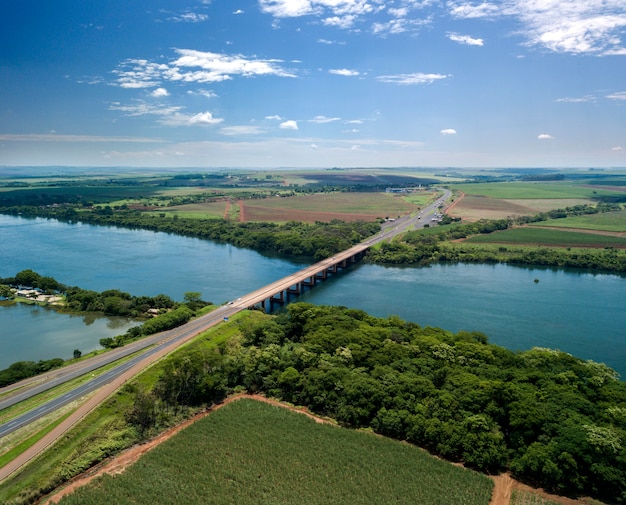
279, 292
157, 346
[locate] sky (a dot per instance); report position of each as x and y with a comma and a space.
313, 83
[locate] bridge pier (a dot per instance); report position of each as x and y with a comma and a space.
284, 293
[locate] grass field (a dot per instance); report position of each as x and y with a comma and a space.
534, 190
549, 237
606, 221
205, 210
327, 206
249, 452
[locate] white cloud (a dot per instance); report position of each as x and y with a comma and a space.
545, 136
409, 79
564, 26
286, 8
290, 124
582, 99
224, 66
340, 21
465, 39
399, 25
141, 108
50, 137
275, 116
238, 11
314, 146
169, 115
354, 121
194, 66
330, 42
448, 131
207, 93
344, 71
620, 95
617, 148
241, 130
324, 119
189, 17
471, 10
204, 118
160, 92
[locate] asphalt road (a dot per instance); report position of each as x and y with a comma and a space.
162, 344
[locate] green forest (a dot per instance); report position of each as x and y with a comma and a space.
553, 420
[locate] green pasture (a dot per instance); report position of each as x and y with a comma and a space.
249, 452
533, 190
604, 221
340, 203
548, 237
205, 210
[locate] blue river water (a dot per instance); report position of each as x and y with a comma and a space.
578, 312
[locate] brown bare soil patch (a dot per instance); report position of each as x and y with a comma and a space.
257, 213
474, 207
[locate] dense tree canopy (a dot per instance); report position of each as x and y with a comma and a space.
554, 420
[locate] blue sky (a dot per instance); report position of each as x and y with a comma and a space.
313, 83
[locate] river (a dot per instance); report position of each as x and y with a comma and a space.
578, 312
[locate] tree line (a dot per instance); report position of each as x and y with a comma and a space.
422, 248
294, 238
553, 420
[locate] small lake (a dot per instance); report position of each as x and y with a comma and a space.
33, 333
578, 312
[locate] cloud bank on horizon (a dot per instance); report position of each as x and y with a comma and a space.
314, 83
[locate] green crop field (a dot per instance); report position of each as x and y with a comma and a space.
347, 206
605, 221
249, 452
549, 237
532, 190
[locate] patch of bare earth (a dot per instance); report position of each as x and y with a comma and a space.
258, 213
473, 207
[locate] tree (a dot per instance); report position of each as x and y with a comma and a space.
27, 278
192, 296
5, 291
77, 353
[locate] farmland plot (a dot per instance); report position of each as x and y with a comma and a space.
250, 452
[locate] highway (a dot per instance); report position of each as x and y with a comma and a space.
159, 345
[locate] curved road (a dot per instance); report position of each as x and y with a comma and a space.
162, 344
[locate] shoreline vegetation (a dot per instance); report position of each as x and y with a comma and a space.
552, 420
448, 241
158, 313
